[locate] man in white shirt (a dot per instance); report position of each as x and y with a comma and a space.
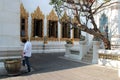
27, 53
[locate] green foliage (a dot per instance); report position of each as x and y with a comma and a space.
56, 2
107, 0
69, 41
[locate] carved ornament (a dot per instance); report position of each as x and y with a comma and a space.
37, 15
64, 18
74, 20
52, 16
24, 14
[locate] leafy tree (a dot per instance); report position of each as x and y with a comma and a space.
84, 11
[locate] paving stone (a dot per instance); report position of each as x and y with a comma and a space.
53, 67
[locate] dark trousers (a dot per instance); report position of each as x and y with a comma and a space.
26, 61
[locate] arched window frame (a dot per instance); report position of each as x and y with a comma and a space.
23, 15
78, 32
103, 25
52, 17
64, 20
37, 15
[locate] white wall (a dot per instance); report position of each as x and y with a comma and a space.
9, 23
31, 6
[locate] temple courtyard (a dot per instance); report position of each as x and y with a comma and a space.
53, 66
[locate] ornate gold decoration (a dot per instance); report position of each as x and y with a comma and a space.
64, 18
24, 14
53, 17
70, 41
74, 20
109, 56
37, 15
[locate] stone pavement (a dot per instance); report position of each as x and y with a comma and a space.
52, 67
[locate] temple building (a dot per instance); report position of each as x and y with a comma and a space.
38, 22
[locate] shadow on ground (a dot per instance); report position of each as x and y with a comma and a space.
42, 63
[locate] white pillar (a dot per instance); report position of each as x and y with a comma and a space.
82, 43
95, 52
67, 47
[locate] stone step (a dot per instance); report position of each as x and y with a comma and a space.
87, 58
87, 61
90, 52
88, 55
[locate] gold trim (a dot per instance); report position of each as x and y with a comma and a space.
64, 39
37, 15
76, 39
74, 20
109, 56
53, 17
64, 18
24, 14
53, 39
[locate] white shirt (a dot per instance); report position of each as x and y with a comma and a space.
27, 49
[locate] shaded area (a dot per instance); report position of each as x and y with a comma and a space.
42, 63
52, 62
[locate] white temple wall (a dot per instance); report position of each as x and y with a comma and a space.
9, 20
10, 27
112, 12
31, 6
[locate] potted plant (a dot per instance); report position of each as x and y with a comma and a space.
12, 66
69, 41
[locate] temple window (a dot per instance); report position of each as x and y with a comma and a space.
52, 26
22, 27
103, 21
37, 25
65, 30
76, 30
23, 23
38, 28
77, 33
65, 27
53, 29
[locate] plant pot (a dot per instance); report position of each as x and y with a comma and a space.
13, 66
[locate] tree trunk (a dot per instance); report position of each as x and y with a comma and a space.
98, 34
106, 43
